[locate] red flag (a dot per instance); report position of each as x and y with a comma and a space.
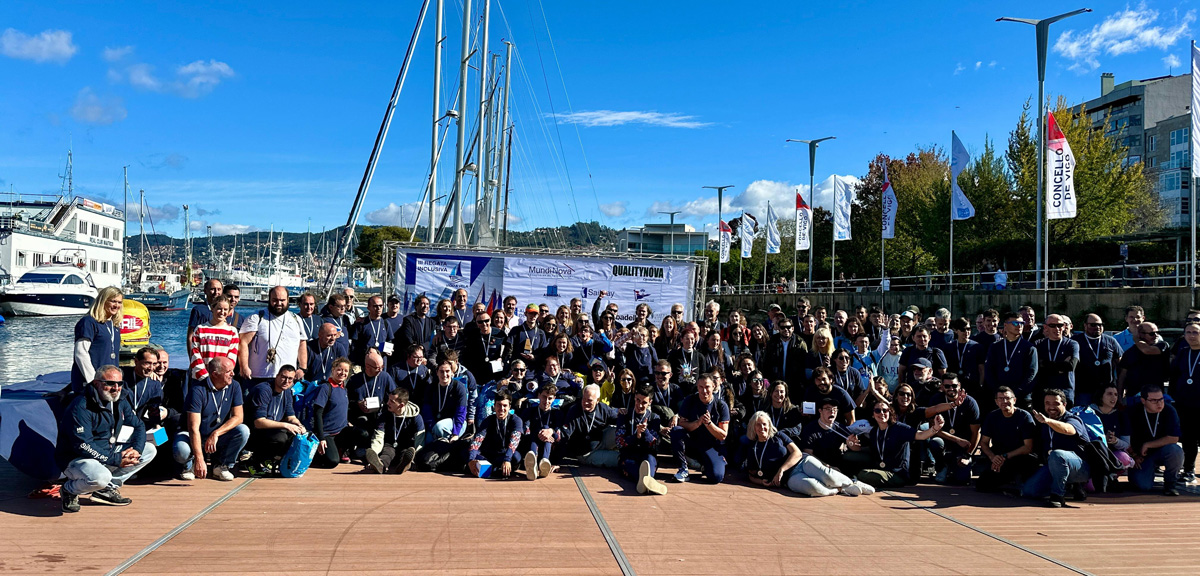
800, 203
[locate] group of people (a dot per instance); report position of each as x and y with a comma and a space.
819, 402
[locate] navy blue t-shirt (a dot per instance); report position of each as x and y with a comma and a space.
106, 347
360, 387
839, 395
265, 403
201, 314
336, 402
213, 406
1051, 440
894, 443
1145, 427
1010, 433
692, 408
824, 443
767, 456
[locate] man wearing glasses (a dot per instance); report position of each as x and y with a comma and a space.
274, 420
1146, 362
1006, 444
1154, 440
1057, 358
335, 313
484, 351
101, 443
1011, 361
786, 356
1099, 354
953, 446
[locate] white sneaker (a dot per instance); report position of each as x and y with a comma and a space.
187, 475
866, 489
222, 473
531, 468
544, 467
852, 490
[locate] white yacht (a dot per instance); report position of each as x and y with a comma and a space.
59, 288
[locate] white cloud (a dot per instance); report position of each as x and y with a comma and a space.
992, 64
978, 65
113, 54
958, 69
1172, 61
753, 199
614, 209
92, 109
1126, 32
49, 46
156, 214
404, 214
593, 118
220, 229
191, 80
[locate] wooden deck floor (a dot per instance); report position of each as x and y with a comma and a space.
342, 521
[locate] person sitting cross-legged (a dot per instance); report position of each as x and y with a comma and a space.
495, 443
101, 443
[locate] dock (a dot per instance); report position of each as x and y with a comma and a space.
583, 521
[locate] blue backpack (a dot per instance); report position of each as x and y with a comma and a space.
304, 393
1091, 421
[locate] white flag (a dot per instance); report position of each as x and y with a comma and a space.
725, 239
803, 223
1195, 100
843, 196
962, 208
889, 206
773, 239
746, 231
1060, 173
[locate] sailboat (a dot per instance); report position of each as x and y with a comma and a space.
156, 287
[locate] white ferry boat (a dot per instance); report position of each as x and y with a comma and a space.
59, 231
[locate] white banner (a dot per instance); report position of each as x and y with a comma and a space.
1060, 173
746, 231
803, 223
773, 239
889, 206
549, 279
843, 197
726, 238
959, 158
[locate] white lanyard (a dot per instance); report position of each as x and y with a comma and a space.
1192, 365
593, 422
442, 399
501, 427
774, 418
961, 352
881, 442
1056, 349
634, 421
113, 334
1153, 429
374, 332
1096, 350
396, 427
1009, 356
759, 457
276, 410
224, 392
371, 386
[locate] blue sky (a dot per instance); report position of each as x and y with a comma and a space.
265, 116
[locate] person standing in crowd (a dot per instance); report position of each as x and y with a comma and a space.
101, 443
306, 305
214, 425
1154, 440
1006, 443
1146, 362
331, 415
527, 340
1030, 331
963, 355
351, 312
274, 423
941, 334
321, 357
921, 349
234, 294
417, 327
97, 338
1062, 436
367, 391
213, 339
1185, 390
1134, 316
496, 440
335, 314
458, 302
712, 312
371, 332
1099, 355
1011, 362
284, 340
394, 320
202, 313
412, 374
990, 334
703, 424
400, 433
145, 395
822, 388
889, 364
485, 349
1057, 358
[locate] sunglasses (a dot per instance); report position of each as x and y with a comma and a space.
597, 368
904, 394
1016, 322
788, 327
882, 411
483, 320
1055, 325
627, 379
112, 383
518, 369
663, 374
1096, 324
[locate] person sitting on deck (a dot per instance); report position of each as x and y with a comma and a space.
213, 426
541, 431
889, 443
444, 407
637, 440
1061, 436
400, 433
774, 460
331, 415
493, 450
587, 430
703, 426
274, 422
101, 443
1006, 445
1154, 439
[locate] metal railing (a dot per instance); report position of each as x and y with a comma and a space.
1124, 274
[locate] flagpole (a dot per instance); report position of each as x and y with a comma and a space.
740, 243
766, 247
833, 243
795, 241
1192, 201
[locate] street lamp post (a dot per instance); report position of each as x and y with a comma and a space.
812, 161
720, 193
1042, 28
672, 215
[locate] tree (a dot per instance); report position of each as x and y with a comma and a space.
369, 251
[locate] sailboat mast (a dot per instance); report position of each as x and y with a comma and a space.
437, 111
187, 246
456, 231
500, 161
142, 235
480, 219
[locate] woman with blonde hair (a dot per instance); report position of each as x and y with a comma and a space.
821, 353
97, 337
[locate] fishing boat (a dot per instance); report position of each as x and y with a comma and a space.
161, 291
